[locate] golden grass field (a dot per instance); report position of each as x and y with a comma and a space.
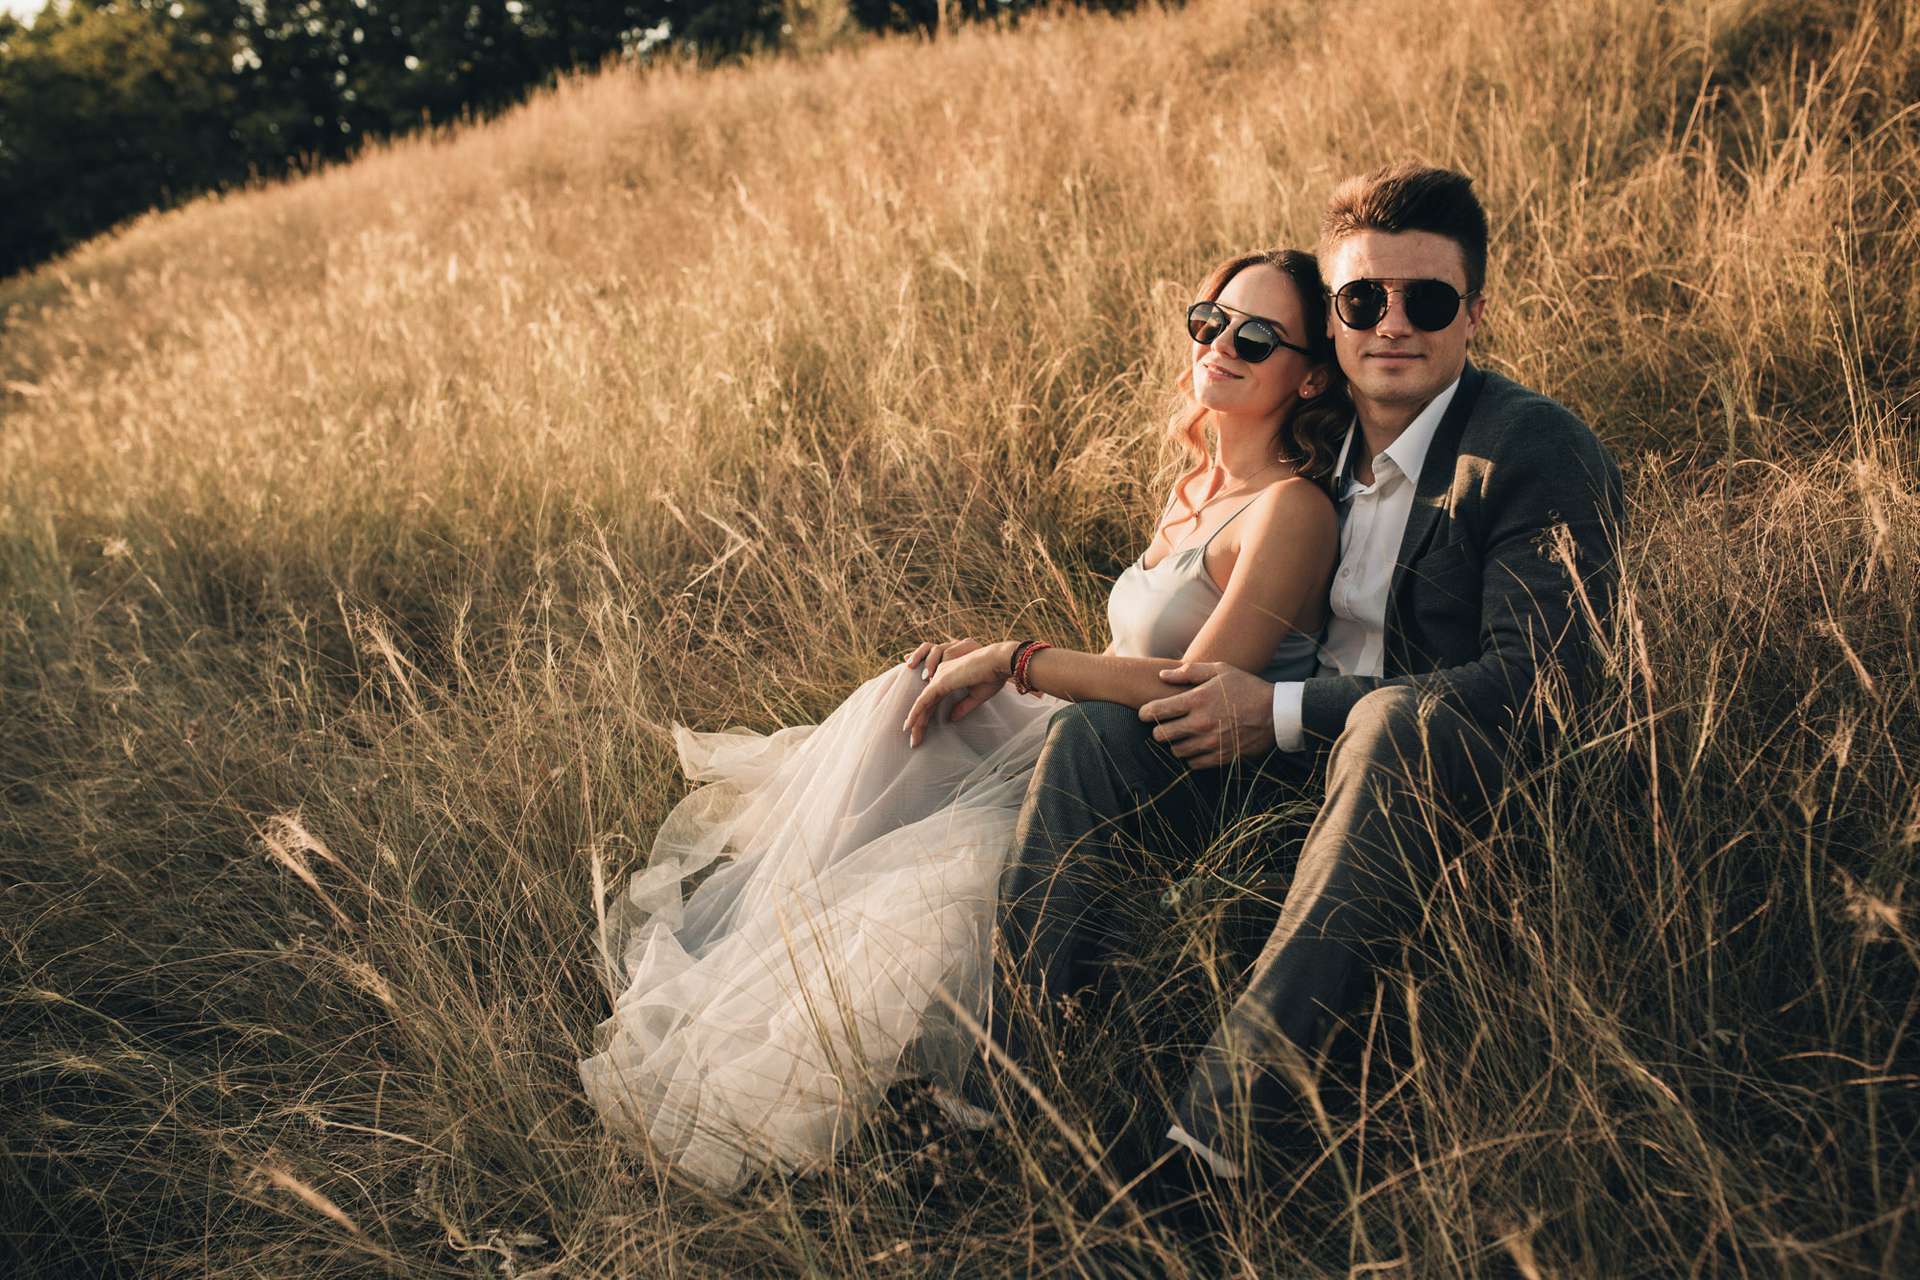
360, 537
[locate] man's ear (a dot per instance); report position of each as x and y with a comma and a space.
1476, 307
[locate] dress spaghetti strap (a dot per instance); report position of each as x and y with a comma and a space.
1182, 549
1224, 523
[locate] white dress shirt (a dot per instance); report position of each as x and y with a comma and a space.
1376, 520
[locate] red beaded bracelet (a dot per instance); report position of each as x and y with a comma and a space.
1019, 651
1023, 661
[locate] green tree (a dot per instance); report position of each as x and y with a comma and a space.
109, 107
105, 111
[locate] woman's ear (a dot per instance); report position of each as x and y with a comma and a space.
1315, 383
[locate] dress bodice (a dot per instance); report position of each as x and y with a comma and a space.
1156, 613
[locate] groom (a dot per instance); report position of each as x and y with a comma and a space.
1476, 559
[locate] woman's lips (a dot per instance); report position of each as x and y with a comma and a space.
1215, 371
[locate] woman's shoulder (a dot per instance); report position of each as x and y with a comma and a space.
1287, 516
1293, 498
1290, 521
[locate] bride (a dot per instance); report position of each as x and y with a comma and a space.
759, 1018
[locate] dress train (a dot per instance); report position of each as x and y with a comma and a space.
759, 1020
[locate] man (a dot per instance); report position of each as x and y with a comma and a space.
1476, 552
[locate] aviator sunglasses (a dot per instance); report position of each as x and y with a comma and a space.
1431, 304
1254, 338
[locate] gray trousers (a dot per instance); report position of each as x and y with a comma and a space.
1399, 781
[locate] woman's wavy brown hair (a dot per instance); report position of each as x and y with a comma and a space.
1310, 435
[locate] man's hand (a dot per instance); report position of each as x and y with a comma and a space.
1226, 715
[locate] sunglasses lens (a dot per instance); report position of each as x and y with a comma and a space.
1432, 304
1361, 304
1255, 342
1205, 321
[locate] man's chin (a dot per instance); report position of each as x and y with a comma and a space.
1398, 393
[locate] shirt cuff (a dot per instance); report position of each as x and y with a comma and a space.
1289, 734
1221, 1166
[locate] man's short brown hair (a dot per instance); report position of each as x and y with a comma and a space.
1411, 197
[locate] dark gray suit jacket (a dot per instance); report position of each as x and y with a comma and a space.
1480, 606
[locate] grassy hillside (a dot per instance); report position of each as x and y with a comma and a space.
360, 537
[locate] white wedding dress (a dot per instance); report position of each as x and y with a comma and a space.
759, 1020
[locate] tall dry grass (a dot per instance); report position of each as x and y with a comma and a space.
362, 535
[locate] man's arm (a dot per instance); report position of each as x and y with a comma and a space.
1531, 613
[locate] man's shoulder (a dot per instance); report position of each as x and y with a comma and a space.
1519, 425
1517, 440
1504, 403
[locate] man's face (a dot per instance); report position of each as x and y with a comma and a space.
1394, 367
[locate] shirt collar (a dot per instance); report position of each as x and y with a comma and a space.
1409, 448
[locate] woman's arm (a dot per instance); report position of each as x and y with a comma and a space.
1279, 581
1286, 553
1287, 547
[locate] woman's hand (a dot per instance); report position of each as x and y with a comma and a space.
981, 671
933, 654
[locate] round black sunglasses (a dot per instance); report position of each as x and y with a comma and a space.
1431, 304
1254, 337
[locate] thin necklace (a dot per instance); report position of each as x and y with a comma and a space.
1245, 485
1209, 500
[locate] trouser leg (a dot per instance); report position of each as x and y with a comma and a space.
1103, 792
1399, 781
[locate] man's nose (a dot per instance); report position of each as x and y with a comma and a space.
1393, 321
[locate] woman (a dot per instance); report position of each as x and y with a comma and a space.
757, 1022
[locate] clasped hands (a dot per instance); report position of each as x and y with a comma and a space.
1223, 714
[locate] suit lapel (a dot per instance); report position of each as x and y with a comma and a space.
1436, 481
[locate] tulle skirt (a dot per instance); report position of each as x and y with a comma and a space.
758, 1019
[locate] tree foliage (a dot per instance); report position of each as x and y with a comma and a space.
107, 109
103, 112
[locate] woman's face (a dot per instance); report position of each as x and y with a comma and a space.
1228, 385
